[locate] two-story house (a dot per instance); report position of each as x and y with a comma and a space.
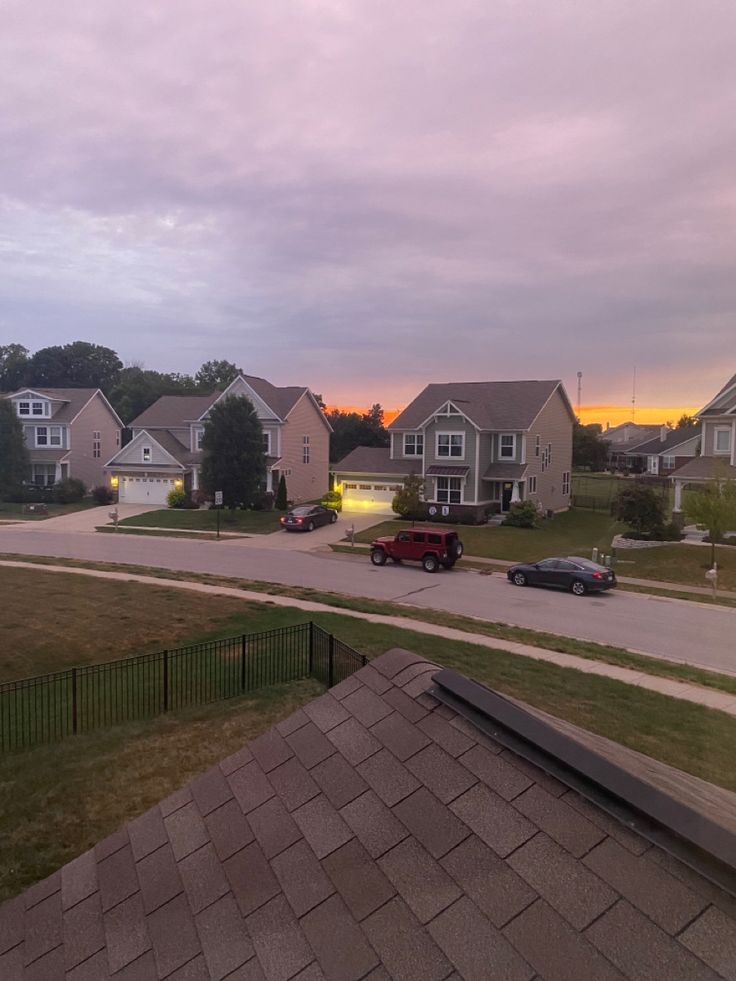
480, 446
165, 451
69, 432
672, 449
717, 444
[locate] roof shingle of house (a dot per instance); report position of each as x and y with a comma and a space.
373, 834
375, 459
494, 405
675, 438
72, 399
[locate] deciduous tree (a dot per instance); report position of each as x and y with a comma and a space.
13, 366
714, 506
216, 374
640, 507
15, 464
407, 502
233, 458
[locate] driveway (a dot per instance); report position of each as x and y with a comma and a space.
308, 541
668, 628
86, 520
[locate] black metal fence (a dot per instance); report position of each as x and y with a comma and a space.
51, 707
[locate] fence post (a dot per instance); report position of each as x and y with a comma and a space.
311, 648
166, 681
242, 663
74, 701
331, 662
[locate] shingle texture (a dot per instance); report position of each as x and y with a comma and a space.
372, 836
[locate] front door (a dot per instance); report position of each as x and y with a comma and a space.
506, 492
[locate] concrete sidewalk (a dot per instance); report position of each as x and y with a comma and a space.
685, 691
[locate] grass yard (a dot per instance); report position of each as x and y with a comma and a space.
56, 801
14, 512
205, 519
679, 563
597, 490
574, 532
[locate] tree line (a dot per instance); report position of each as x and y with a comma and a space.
132, 388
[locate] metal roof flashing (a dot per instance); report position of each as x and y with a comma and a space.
697, 839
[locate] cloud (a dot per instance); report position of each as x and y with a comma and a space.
366, 196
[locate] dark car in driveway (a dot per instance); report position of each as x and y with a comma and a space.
580, 576
308, 517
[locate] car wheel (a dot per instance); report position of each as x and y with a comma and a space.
578, 588
310, 526
459, 549
333, 517
430, 563
519, 579
378, 556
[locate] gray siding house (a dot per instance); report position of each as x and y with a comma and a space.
717, 444
166, 449
480, 446
69, 432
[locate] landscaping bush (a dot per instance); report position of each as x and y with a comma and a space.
407, 502
199, 497
102, 494
31, 494
522, 514
332, 499
282, 502
69, 491
264, 501
176, 498
640, 507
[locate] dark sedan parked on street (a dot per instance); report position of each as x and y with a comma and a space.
308, 517
580, 576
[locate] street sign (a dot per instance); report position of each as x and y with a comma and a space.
218, 499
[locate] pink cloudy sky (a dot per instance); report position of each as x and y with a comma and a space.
364, 195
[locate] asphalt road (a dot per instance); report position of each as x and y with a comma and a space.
672, 629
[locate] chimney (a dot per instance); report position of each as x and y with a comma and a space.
608, 426
663, 433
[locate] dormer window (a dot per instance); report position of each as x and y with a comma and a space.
198, 437
146, 454
28, 407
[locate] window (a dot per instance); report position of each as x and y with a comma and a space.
146, 454
117, 437
417, 536
449, 490
48, 435
198, 437
350, 486
96, 445
546, 456
549, 453
267, 443
434, 539
451, 444
413, 444
507, 449
532, 485
305, 449
365, 486
566, 482
722, 443
403, 536
668, 462
38, 408
24, 408
43, 474
537, 445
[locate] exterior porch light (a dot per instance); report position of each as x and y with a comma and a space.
178, 482
114, 481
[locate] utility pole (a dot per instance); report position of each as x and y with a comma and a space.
633, 398
580, 389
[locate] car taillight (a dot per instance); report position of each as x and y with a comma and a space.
298, 520
597, 575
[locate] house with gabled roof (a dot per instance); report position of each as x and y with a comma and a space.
480, 446
69, 432
407, 825
165, 451
718, 444
673, 448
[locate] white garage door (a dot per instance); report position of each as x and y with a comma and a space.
368, 497
144, 490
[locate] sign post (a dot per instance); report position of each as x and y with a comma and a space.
218, 505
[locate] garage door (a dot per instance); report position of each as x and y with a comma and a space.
144, 490
368, 497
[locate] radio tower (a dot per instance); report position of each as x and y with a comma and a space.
580, 389
633, 398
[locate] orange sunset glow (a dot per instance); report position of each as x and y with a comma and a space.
611, 414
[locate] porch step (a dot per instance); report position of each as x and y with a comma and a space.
497, 519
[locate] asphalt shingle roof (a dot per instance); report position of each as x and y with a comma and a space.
375, 459
673, 439
706, 466
492, 405
71, 399
373, 834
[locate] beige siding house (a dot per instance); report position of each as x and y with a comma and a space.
69, 432
718, 444
480, 446
166, 449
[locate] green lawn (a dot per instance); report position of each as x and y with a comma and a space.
14, 512
56, 801
253, 522
679, 563
597, 490
575, 532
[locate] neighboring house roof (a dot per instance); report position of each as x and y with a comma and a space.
375, 459
281, 400
74, 400
675, 438
41, 454
373, 834
500, 470
705, 467
638, 435
172, 411
723, 402
175, 447
495, 405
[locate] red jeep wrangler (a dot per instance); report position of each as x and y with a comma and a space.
429, 546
